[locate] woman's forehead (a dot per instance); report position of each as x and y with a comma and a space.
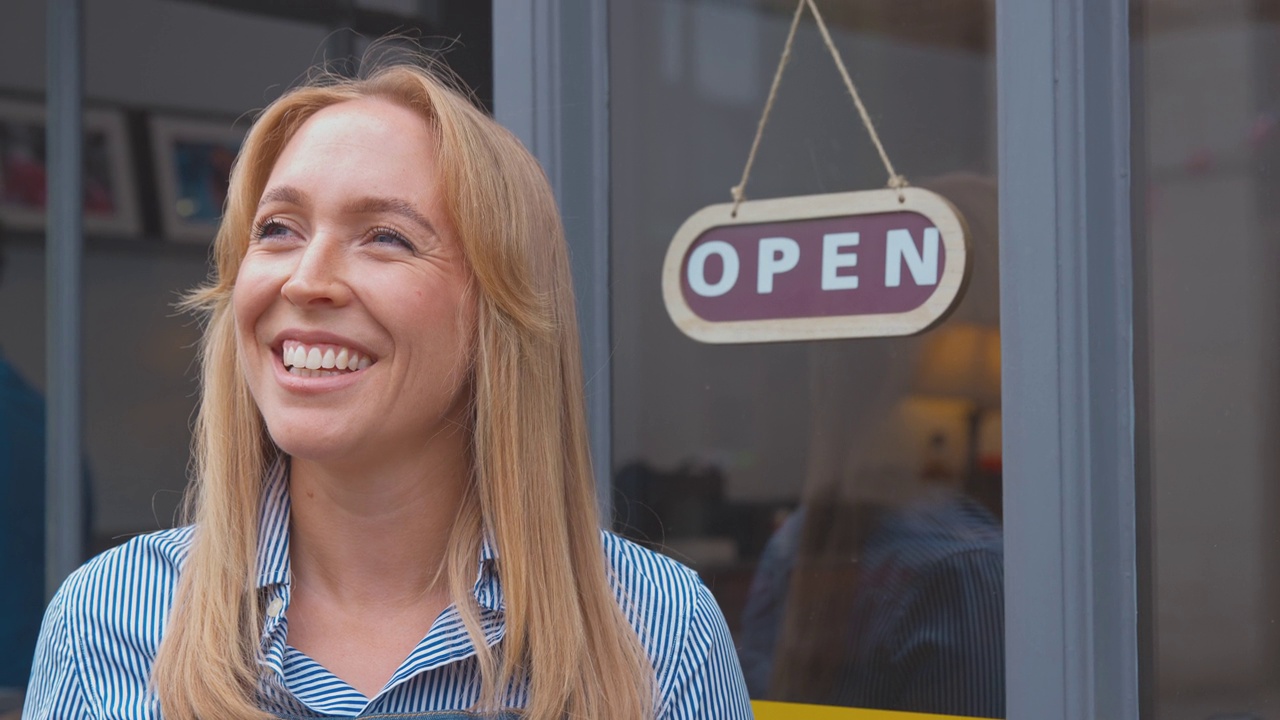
368, 147
371, 122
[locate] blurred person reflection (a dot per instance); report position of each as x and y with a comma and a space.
885, 588
21, 517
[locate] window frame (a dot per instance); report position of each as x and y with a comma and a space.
1066, 282
550, 88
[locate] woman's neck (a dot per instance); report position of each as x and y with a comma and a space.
377, 536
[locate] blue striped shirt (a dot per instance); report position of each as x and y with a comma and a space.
103, 627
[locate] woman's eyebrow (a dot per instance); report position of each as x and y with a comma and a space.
285, 194
361, 206
395, 206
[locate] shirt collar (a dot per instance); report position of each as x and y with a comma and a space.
487, 589
273, 527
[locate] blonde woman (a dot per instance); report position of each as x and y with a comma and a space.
393, 501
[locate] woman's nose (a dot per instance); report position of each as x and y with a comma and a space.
320, 276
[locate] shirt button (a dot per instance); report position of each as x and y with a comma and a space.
275, 608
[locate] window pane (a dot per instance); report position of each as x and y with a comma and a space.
840, 498
1206, 149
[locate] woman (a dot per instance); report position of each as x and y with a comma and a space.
393, 500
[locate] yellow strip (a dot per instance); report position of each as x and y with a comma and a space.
795, 711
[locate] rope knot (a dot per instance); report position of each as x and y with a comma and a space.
897, 182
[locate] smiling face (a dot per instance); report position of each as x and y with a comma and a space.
353, 322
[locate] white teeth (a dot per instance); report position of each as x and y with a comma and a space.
303, 361
304, 372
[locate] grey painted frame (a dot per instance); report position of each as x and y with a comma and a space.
64, 528
550, 87
1066, 280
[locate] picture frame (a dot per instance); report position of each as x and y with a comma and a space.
193, 160
110, 193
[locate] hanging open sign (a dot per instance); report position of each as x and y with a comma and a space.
845, 265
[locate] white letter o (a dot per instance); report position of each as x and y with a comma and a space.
697, 268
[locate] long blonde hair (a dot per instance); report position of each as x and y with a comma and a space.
531, 483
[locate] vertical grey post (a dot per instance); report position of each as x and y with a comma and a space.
63, 527
1067, 326
551, 81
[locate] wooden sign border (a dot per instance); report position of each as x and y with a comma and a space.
955, 275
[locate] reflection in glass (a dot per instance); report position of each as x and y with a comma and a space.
885, 588
1206, 153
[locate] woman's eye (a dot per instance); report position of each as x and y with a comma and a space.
270, 228
387, 236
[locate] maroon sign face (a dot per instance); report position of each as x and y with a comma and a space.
844, 265
853, 265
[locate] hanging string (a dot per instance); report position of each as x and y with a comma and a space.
739, 191
896, 181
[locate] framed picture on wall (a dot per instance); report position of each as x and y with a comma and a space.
193, 165
110, 195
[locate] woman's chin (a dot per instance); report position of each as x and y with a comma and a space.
316, 447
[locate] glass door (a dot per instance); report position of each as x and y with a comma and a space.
842, 498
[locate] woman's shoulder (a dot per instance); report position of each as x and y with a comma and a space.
685, 634
103, 627
664, 599
647, 575
127, 588
148, 552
